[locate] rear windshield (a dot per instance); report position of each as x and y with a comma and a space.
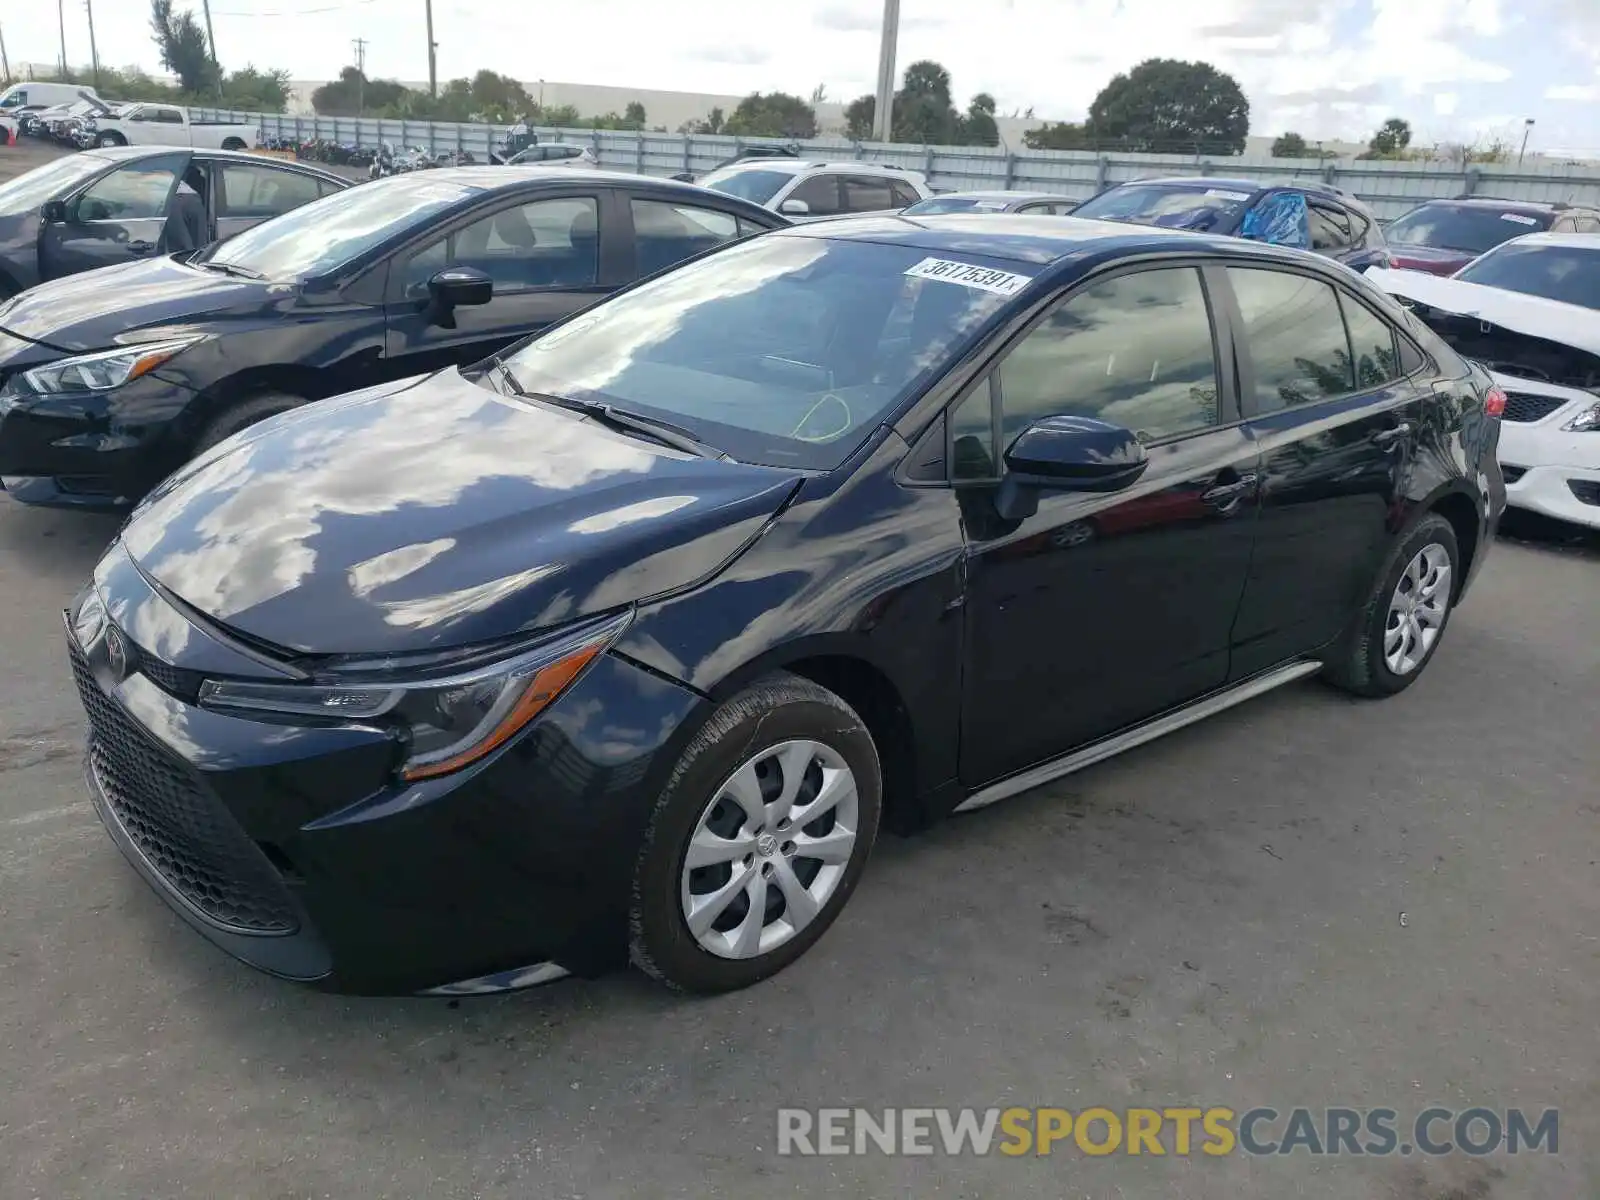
950, 204
1183, 206
781, 350
756, 186
1567, 273
1458, 227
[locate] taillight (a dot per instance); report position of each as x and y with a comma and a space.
1494, 402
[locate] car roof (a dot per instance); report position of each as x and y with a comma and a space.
799, 166
1580, 241
483, 179
134, 153
1542, 207
1017, 197
1315, 186
1036, 240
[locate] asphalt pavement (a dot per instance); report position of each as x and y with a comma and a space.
1309, 900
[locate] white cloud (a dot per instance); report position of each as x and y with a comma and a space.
1573, 91
1444, 103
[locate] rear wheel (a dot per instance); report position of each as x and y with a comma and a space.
233, 143
243, 414
109, 138
1403, 619
758, 838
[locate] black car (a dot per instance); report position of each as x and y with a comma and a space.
1036, 203
104, 207
1442, 236
1304, 214
109, 381
626, 644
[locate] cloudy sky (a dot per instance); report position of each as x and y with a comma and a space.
1457, 69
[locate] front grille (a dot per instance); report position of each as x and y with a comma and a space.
184, 832
1586, 490
175, 681
1512, 474
1523, 407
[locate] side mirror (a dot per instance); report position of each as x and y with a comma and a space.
454, 287
54, 211
1067, 454
794, 208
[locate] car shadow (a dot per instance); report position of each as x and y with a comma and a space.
1533, 530
54, 542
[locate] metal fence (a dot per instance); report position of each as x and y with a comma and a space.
1390, 188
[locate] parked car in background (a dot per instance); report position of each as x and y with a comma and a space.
42, 122
1305, 215
806, 190
554, 154
1046, 203
1442, 236
166, 125
33, 94
104, 207
116, 378
1529, 310
718, 578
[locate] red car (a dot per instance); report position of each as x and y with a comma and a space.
1442, 236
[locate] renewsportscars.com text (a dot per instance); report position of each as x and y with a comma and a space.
1178, 1131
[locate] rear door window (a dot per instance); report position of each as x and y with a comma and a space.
1330, 229
821, 195
1295, 336
666, 232
865, 193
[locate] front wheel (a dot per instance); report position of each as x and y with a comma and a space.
242, 415
758, 838
1401, 623
108, 139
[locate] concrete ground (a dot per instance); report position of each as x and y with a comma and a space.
1306, 901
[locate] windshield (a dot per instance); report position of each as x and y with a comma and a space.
782, 350
1452, 227
1570, 274
40, 184
1183, 206
326, 234
756, 186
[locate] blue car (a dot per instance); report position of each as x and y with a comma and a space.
1307, 215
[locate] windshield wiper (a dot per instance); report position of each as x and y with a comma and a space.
624, 421
228, 269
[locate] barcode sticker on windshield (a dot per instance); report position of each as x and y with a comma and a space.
1001, 283
1223, 195
1518, 218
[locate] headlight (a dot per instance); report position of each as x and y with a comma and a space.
451, 720
104, 369
1587, 421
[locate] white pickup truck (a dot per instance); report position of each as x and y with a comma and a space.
165, 125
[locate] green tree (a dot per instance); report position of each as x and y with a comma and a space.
256, 91
1165, 103
1290, 145
634, 115
859, 115
922, 108
1056, 135
182, 45
353, 94
559, 116
776, 114
1391, 140
978, 127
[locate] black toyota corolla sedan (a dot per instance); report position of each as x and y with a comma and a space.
625, 644
111, 379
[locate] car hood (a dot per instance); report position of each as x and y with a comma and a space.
95, 309
437, 513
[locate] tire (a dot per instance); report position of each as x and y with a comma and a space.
816, 730
108, 139
1364, 662
245, 413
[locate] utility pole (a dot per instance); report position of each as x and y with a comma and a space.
5, 63
361, 75
433, 47
94, 54
211, 40
1527, 128
61, 16
882, 122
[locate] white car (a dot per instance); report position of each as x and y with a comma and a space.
164, 125
807, 190
554, 154
1529, 311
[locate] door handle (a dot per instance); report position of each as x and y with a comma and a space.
141, 247
1386, 436
1224, 493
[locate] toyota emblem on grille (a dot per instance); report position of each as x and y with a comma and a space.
116, 653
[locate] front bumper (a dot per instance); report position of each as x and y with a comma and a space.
92, 450
299, 851
1550, 470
